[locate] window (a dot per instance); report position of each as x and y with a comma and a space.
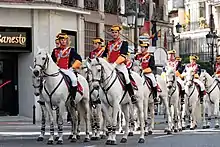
91, 4
91, 32
73, 40
202, 9
108, 36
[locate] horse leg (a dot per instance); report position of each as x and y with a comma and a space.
86, 118
52, 122
61, 111
74, 116
151, 127
203, 116
125, 109
193, 117
131, 121
78, 125
141, 118
216, 113
43, 122
93, 121
145, 117
98, 114
169, 120
183, 112
209, 109
119, 121
176, 117
114, 123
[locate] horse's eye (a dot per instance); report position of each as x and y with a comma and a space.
43, 58
99, 70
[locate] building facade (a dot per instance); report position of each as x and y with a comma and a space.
24, 27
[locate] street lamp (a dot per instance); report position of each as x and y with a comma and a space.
178, 28
211, 39
135, 19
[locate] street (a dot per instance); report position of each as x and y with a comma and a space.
24, 134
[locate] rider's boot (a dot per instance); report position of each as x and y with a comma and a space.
154, 90
131, 93
202, 94
73, 92
182, 94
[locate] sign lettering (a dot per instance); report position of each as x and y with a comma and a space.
13, 39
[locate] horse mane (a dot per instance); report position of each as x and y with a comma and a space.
104, 63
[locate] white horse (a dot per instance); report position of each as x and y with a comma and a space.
213, 96
192, 102
105, 77
149, 101
56, 94
174, 98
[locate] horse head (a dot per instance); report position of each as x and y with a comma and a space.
136, 66
189, 76
206, 79
37, 83
41, 61
170, 77
100, 70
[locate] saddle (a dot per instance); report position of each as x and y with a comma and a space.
150, 84
123, 82
69, 83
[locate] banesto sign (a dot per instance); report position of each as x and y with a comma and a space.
13, 39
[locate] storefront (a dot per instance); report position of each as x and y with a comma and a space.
13, 42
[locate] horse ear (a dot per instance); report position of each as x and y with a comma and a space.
89, 60
31, 68
97, 59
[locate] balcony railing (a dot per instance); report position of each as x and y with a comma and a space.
158, 13
111, 6
71, 3
15, 1
91, 4
192, 26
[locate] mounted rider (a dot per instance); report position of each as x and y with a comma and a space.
98, 48
68, 60
147, 64
217, 68
175, 62
197, 71
116, 52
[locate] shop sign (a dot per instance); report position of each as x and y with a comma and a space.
13, 39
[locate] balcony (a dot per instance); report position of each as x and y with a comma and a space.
158, 13
91, 4
192, 26
16, 1
111, 6
71, 3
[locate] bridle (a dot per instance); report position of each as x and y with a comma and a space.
173, 87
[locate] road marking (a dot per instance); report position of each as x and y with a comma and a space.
155, 132
163, 136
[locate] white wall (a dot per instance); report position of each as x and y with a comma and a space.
15, 17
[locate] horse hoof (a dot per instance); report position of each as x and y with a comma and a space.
113, 142
56, 139
150, 132
141, 140
165, 131
188, 126
169, 132
183, 128
175, 130
123, 140
121, 131
145, 133
97, 138
216, 126
60, 142
203, 127
180, 130
93, 138
130, 134
86, 140
138, 129
207, 127
73, 140
108, 142
50, 142
191, 128
40, 139
70, 137
103, 137
78, 137
195, 126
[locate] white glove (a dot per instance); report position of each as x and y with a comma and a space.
114, 65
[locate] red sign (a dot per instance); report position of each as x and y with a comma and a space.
145, 28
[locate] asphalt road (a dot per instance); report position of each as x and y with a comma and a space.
26, 137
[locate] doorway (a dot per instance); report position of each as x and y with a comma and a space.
8, 84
